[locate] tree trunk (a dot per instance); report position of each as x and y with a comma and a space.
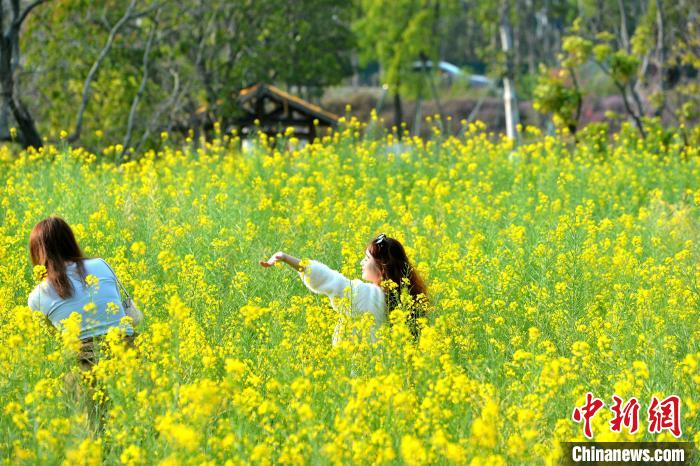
509, 97
661, 81
623, 27
417, 119
355, 69
429, 75
28, 134
398, 112
25, 123
530, 30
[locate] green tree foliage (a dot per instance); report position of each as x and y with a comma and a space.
556, 94
174, 67
644, 57
397, 34
398, 39
126, 71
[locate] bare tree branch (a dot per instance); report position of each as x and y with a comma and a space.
93, 71
18, 21
142, 88
625, 100
172, 101
149, 10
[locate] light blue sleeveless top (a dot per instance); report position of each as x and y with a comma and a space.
95, 322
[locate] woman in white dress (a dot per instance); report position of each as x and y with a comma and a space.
387, 273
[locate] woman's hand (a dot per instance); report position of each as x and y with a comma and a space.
276, 257
280, 256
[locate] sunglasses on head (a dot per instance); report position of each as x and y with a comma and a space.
380, 239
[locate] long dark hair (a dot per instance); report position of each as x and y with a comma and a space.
395, 268
52, 244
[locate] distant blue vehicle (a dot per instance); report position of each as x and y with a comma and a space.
475, 80
479, 80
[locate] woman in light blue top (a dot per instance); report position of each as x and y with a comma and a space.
65, 290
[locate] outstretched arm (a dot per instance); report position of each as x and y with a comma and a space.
318, 277
280, 256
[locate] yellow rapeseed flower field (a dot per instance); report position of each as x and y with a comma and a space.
553, 271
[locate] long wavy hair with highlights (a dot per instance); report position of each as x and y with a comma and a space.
397, 274
52, 244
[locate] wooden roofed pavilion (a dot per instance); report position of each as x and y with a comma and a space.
276, 110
